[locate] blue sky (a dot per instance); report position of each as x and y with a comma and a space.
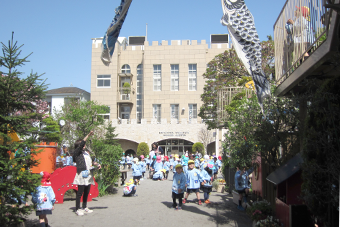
59, 32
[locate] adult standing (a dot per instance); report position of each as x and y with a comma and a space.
84, 176
158, 149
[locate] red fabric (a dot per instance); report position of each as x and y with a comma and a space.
45, 180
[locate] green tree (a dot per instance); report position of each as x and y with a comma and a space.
198, 147
126, 88
251, 134
52, 130
80, 118
110, 135
17, 95
226, 70
142, 149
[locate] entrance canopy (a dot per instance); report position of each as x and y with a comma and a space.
176, 146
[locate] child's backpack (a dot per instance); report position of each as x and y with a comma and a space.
127, 190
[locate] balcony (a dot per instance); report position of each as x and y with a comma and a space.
124, 95
306, 43
225, 96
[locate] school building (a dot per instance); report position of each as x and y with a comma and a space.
153, 90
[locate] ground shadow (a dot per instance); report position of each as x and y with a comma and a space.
32, 223
218, 219
91, 208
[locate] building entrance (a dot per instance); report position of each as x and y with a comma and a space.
176, 146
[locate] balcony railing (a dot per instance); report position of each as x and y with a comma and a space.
300, 29
225, 96
124, 94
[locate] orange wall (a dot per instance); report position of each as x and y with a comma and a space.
46, 158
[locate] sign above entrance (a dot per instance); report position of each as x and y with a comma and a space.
174, 134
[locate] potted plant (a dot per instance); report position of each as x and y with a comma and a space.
126, 88
259, 211
219, 185
268, 221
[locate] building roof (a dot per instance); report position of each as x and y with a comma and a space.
286, 171
66, 90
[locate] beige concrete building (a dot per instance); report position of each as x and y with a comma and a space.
153, 90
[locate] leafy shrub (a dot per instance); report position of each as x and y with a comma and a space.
198, 147
142, 149
260, 210
269, 221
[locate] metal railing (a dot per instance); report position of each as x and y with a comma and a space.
300, 29
225, 96
124, 94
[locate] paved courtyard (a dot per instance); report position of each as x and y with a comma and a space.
150, 208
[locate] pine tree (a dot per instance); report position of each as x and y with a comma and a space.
17, 95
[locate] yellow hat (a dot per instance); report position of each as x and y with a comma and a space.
202, 159
163, 170
178, 166
129, 182
191, 162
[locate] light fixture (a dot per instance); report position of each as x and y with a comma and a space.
62, 122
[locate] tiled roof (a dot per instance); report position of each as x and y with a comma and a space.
67, 90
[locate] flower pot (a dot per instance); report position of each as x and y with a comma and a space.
221, 188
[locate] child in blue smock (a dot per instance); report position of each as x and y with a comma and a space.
122, 161
216, 167
128, 161
178, 187
143, 166
130, 189
158, 164
44, 198
166, 166
197, 163
207, 180
171, 160
136, 171
159, 175
202, 164
193, 181
176, 162
147, 162
69, 160
185, 164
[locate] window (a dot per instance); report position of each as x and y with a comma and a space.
71, 100
192, 111
157, 112
174, 78
106, 116
104, 81
174, 111
157, 77
139, 93
125, 112
126, 69
192, 77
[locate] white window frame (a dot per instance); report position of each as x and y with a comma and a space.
192, 77
139, 100
126, 69
174, 111
103, 78
157, 77
174, 77
157, 112
107, 115
192, 112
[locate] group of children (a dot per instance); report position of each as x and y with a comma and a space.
189, 175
